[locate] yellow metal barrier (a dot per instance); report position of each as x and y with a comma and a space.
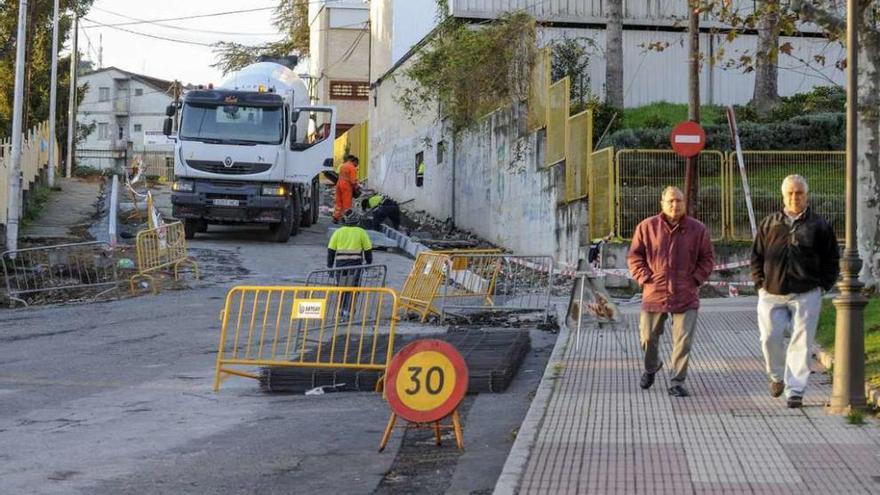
355, 141
642, 175
579, 148
427, 276
765, 170
601, 193
159, 248
305, 327
539, 87
557, 118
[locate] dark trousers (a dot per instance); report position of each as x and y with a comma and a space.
390, 211
348, 278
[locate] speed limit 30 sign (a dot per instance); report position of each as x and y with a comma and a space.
426, 381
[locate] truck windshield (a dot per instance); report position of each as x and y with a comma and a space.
232, 124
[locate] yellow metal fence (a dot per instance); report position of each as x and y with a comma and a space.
539, 87
159, 248
355, 141
601, 193
579, 147
641, 175
305, 327
557, 117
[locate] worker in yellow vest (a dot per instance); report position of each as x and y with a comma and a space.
349, 246
420, 174
382, 207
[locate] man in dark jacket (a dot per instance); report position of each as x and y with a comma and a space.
670, 257
794, 258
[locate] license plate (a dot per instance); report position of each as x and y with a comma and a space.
225, 202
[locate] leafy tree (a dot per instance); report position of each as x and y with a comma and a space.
291, 18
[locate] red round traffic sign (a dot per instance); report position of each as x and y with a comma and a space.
688, 139
426, 381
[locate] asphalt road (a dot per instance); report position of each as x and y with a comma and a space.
115, 397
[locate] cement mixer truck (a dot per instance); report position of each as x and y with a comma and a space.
250, 152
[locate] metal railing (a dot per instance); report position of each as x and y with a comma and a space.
61, 269
306, 327
349, 276
158, 248
495, 283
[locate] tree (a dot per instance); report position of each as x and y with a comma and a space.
766, 93
614, 55
291, 18
39, 46
571, 57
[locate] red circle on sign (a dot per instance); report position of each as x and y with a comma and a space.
688, 139
448, 406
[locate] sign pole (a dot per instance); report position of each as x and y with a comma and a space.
734, 135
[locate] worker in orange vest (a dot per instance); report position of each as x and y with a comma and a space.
347, 186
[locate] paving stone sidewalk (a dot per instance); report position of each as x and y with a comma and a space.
602, 434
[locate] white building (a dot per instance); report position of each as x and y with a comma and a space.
128, 110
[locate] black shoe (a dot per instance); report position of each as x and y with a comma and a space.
648, 378
678, 391
776, 388
795, 401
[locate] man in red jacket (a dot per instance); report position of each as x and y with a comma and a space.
671, 257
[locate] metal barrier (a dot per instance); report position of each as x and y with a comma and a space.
422, 283
578, 151
642, 175
601, 193
63, 267
824, 171
496, 282
557, 117
305, 327
158, 248
349, 276
538, 90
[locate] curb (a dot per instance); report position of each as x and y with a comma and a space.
518, 458
826, 359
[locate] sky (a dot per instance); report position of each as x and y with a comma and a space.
190, 63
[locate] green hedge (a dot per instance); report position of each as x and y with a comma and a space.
820, 132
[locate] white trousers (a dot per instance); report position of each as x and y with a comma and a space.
775, 313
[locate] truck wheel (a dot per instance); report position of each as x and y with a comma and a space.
190, 227
306, 215
297, 213
316, 199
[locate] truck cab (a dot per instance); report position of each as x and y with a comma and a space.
251, 153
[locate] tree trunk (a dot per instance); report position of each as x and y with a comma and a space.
868, 168
614, 54
766, 93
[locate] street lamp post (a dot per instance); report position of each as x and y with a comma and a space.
848, 389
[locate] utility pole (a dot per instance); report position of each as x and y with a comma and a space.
692, 178
848, 386
53, 97
13, 206
175, 91
71, 106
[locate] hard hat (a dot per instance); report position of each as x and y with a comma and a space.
351, 217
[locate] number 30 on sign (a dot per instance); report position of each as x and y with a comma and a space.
424, 384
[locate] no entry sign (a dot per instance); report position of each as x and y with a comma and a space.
426, 381
688, 139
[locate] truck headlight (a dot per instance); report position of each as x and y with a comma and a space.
182, 186
273, 190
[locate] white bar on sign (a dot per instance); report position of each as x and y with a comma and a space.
687, 138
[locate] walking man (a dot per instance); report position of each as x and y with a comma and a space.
794, 258
349, 246
670, 257
346, 186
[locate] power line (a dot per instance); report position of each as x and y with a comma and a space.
200, 16
187, 42
145, 21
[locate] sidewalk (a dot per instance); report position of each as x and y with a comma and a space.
600, 433
73, 206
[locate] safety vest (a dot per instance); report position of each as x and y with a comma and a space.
375, 200
421, 169
350, 242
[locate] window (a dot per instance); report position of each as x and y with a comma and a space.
349, 90
103, 131
138, 128
420, 168
441, 148
121, 132
139, 91
103, 94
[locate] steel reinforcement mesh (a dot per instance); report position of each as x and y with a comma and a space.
493, 358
